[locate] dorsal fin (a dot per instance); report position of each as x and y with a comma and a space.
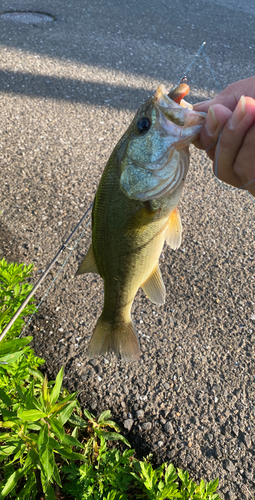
174, 230
88, 265
154, 287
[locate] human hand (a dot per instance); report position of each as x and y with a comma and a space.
229, 133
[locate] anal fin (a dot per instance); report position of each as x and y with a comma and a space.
154, 287
88, 265
174, 230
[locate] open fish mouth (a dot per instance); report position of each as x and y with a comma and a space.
180, 119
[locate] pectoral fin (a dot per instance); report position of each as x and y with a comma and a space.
154, 287
88, 264
174, 230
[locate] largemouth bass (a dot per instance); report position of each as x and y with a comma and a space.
135, 212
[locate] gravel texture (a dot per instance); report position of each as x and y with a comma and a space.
68, 90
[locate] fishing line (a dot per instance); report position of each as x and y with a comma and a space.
53, 281
212, 72
39, 282
192, 62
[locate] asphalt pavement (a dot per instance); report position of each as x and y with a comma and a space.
68, 90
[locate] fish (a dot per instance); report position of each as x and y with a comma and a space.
135, 212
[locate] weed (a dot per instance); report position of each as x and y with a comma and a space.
13, 291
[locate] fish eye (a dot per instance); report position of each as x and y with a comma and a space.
143, 125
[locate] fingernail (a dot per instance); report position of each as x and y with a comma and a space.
238, 114
211, 123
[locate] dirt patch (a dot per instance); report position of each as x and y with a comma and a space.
9, 248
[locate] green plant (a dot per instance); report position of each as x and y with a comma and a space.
112, 475
100, 434
160, 483
18, 365
13, 291
35, 436
105, 471
121, 476
17, 359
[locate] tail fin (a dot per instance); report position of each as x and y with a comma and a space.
119, 338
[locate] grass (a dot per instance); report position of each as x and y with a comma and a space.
50, 448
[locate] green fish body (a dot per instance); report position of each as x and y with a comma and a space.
134, 213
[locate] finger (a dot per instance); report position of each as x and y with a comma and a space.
203, 106
244, 166
228, 100
230, 96
230, 142
215, 120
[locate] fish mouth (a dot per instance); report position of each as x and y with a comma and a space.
178, 119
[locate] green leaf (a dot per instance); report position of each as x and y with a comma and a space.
43, 438
170, 474
11, 358
35, 373
32, 458
56, 476
192, 488
202, 486
21, 392
184, 476
70, 455
114, 436
104, 416
75, 432
10, 346
30, 397
212, 486
72, 441
47, 461
5, 398
78, 421
170, 491
31, 415
88, 415
45, 394
57, 387
148, 474
8, 424
6, 451
50, 493
58, 407
34, 427
66, 412
16, 290
110, 423
11, 483
57, 428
